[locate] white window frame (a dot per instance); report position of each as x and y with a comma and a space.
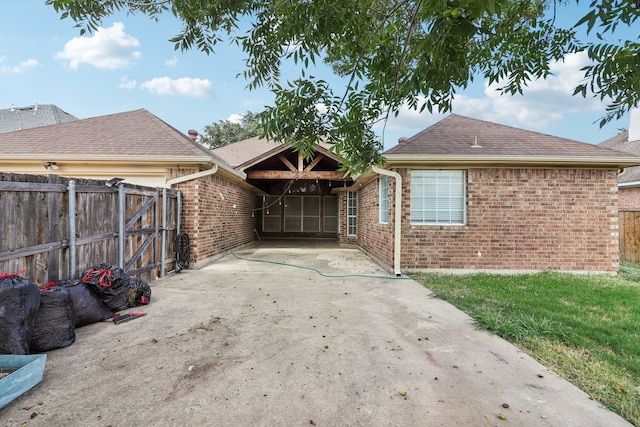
438, 197
352, 213
383, 200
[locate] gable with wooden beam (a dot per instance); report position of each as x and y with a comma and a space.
299, 172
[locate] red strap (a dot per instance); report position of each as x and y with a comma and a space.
45, 288
92, 274
6, 275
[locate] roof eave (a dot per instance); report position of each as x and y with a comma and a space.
68, 158
416, 160
225, 171
263, 156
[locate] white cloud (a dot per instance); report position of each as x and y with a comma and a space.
171, 62
235, 118
186, 86
544, 103
110, 48
126, 83
20, 68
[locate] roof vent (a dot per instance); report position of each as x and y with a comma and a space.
402, 139
193, 134
634, 125
475, 142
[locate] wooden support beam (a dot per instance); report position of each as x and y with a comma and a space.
313, 164
287, 163
270, 174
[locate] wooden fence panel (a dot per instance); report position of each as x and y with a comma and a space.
30, 226
35, 227
629, 235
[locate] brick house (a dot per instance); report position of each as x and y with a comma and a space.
463, 194
471, 195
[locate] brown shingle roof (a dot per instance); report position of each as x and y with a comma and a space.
241, 152
455, 135
129, 134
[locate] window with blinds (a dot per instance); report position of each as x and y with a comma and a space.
438, 197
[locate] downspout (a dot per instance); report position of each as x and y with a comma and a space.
397, 237
197, 175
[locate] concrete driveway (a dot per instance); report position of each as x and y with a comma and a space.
260, 343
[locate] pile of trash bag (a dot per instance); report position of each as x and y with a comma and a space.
87, 307
37, 319
55, 324
115, 288
19, 304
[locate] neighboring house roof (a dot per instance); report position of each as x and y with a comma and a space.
463, 140
128, 135
19, 118
620, 142
134, 143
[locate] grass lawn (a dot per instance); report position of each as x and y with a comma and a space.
585, 328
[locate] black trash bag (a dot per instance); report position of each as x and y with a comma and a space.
19, 304
139, 292
87, 306
55, 325
110, 283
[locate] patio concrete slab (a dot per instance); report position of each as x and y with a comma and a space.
331, 341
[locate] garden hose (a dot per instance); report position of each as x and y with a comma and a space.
182, 249
370, 276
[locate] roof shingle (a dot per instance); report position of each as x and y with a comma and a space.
13, 119
458, 135
241, 152
133, 133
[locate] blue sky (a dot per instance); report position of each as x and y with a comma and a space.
130, 64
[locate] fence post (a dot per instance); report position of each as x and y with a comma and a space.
72, 230
157, 232
121, 231
163, 243
179, 207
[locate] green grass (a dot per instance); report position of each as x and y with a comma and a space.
585, 328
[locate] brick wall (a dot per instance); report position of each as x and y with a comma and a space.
375, 238
629, 198
517, 219
217, 215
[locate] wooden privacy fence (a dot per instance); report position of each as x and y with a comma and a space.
55, 228
629, 221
